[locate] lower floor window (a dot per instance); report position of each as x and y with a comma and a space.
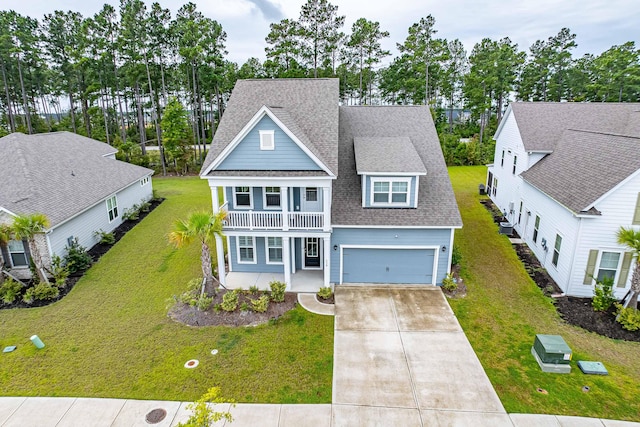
274, 249
17, 253
556, 250
246, 252
608, 265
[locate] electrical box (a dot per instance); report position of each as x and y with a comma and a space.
552, 349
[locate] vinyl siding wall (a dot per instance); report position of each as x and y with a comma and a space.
287, 155
405, 237
96, 218
260, 266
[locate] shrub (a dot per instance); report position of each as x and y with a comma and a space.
325, 292
144, 206
59, 272
448, 284
254, 290
245, 306
203, 302
456, 256
603, 297
192, 295
105, 238
77, 258
261, 304
132, 213
42, 291
9, 290
203, 414
628, 317
229, 301
277, 290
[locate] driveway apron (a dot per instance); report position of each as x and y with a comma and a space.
402, 348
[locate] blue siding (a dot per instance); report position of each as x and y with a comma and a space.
256, 193
287, 155
367, 193
387, 237
261, 266
388, 265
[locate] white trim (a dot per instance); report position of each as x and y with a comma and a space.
230, 264
450, 252
617, 274
363, 184
392, 174
253, 246
7, 211
415, 198
503, 121
393, 227
24, 252
303, 246
259, 181
266, 250
264, 199
390, 181
262, 233
264, 110
117, 212
235, 200
263, 144
436, 254
536, 230
553, 252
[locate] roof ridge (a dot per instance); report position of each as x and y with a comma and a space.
599, 132
25, 170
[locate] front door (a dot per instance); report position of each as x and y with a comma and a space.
312, 252
311, 199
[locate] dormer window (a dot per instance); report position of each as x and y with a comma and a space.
267, 141
390, 192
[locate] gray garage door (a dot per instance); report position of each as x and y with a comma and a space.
387, 265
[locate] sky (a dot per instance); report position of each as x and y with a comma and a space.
598, 24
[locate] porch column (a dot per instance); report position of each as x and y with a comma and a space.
326, 208
219, 245
293, 255
284, 194
214, 200
286, 260
327, 261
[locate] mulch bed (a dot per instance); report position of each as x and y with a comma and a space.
573, 310
330, 300
461, 290
191, 316
95, 252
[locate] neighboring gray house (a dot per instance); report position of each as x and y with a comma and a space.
567, 175
75, 181
312, 188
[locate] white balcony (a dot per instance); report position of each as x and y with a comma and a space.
265, 220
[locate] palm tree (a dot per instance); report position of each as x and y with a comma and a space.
28, 227
5, 236
204, 227
631, 238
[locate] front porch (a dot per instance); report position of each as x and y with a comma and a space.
301, 280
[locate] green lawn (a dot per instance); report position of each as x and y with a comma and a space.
111, 337
504, 310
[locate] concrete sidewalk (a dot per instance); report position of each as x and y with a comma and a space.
84, 412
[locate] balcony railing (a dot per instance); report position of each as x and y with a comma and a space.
264, 220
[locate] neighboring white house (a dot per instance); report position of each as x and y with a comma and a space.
75, 181
567, 175
356, 194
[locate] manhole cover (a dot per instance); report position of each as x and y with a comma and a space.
191, 364
155, 416
214, 351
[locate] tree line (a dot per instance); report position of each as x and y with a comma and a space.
111, 76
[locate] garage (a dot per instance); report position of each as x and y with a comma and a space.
388, 265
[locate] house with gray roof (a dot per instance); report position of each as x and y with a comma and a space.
567, 176
326, 194
74, 180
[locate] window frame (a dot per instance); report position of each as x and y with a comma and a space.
616, 273
263, 145
235, 198
246, 246
536, 228
11, 252
144, 181
520, 211
494, 187
113, 210
267, 247
390, 192
502, 160
515, 163
264, 198
557, 248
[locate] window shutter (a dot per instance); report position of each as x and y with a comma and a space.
591, 267
636, 215
5, 256
624, 271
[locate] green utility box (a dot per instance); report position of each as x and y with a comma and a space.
552, 349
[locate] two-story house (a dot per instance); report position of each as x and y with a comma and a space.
345, 194
567, 175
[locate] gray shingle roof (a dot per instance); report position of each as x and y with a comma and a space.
308, 107
387, 154
542, 124
437, 205
584, 166
59, 174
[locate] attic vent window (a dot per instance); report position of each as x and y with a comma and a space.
267, 141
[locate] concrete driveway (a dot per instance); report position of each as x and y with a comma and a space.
401, 354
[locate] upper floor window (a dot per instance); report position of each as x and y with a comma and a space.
271, 197
515, 163
267, 141
17, 253
242, 197
536, 229
112, 208
144, 181
502, 159
390, 192
556, 250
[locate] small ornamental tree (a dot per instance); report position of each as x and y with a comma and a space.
28, 227
631, 239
